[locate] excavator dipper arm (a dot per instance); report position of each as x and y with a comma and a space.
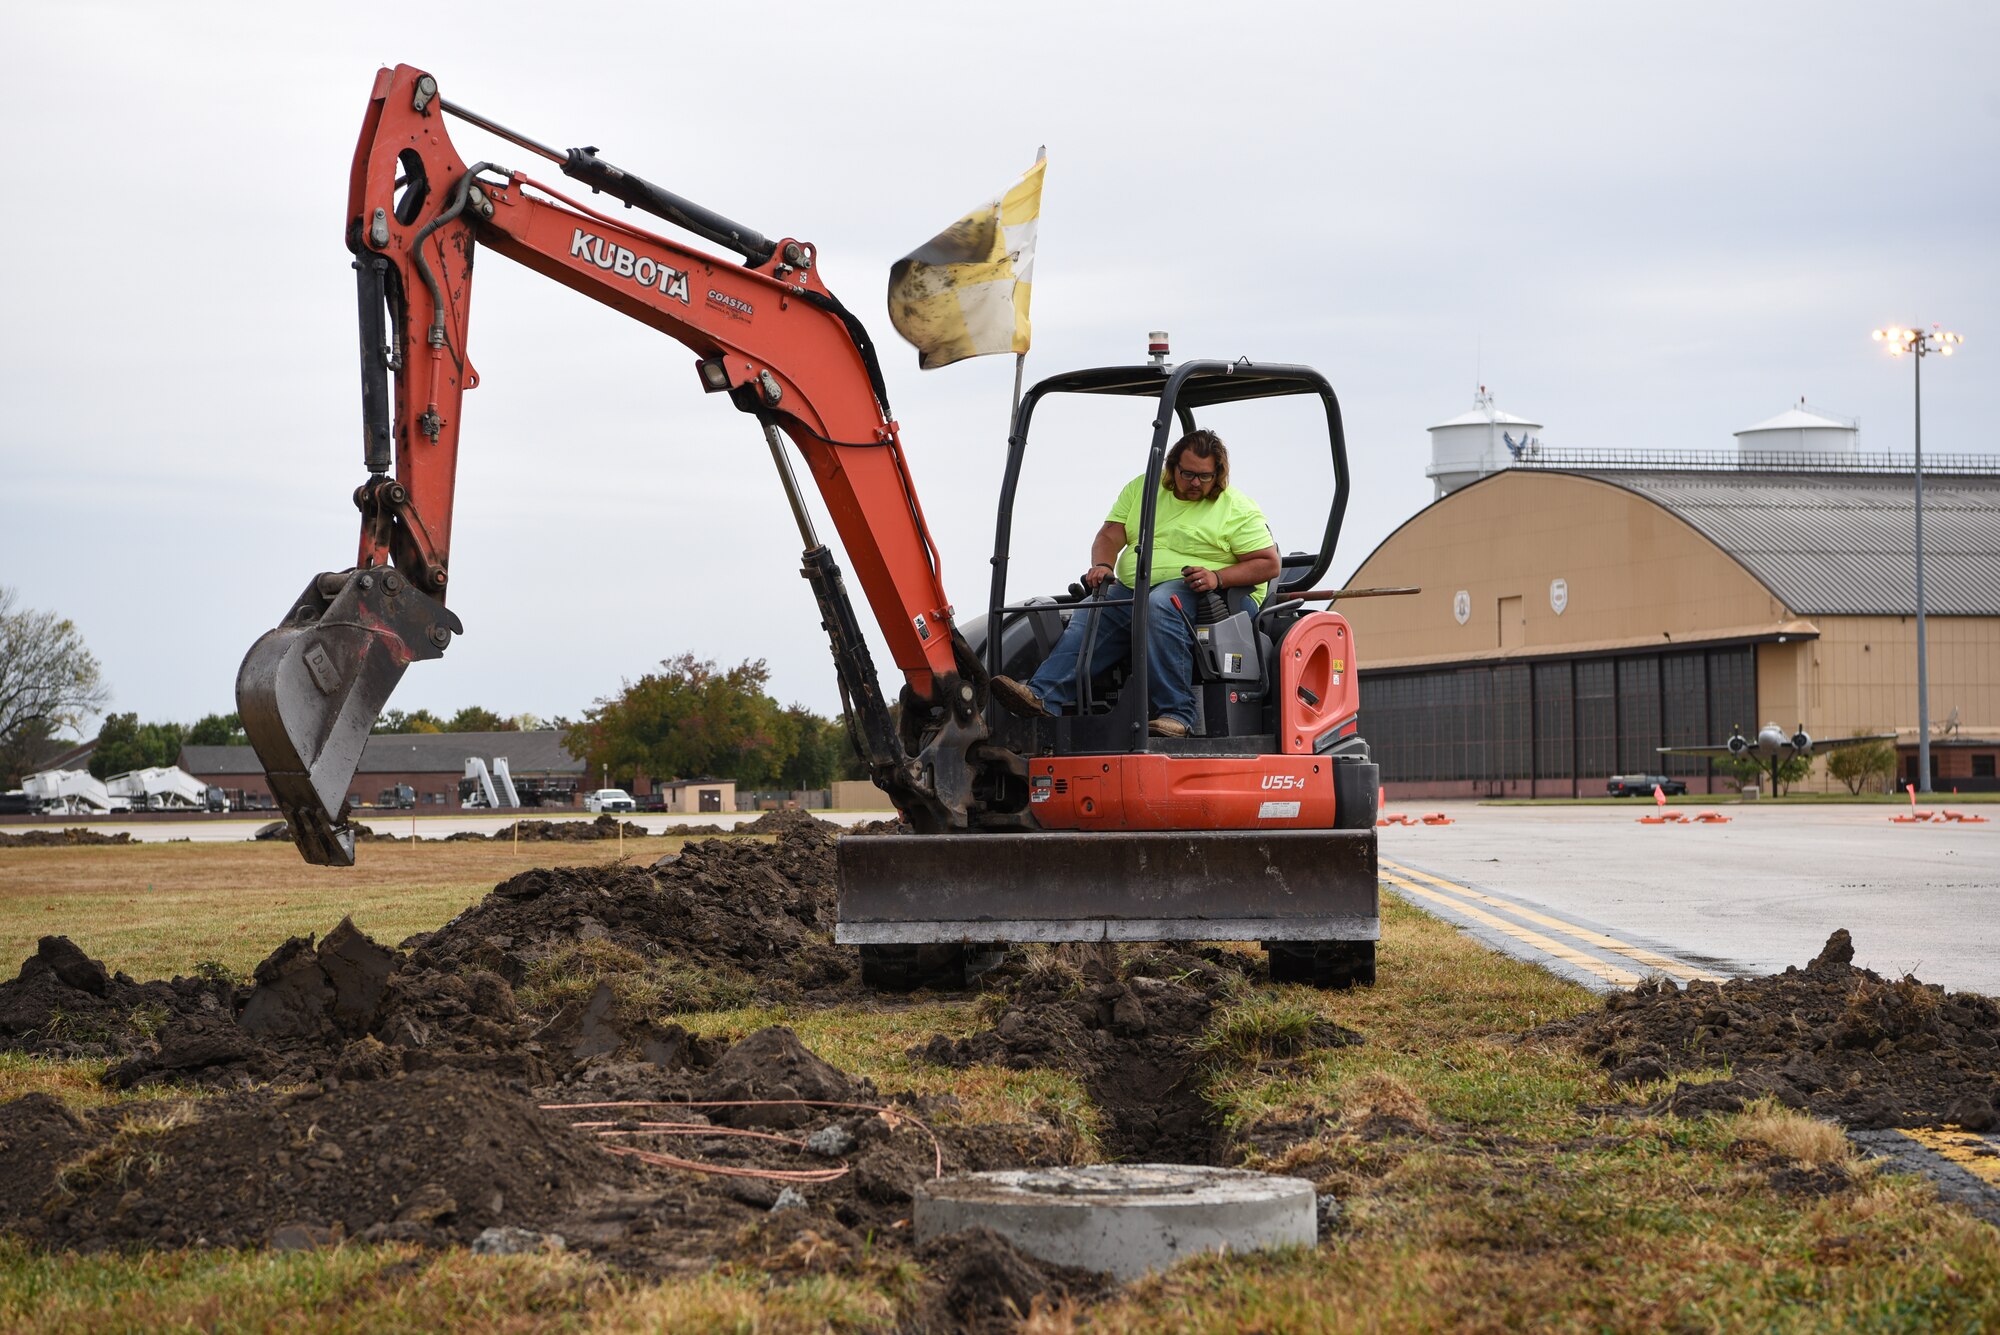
766, 332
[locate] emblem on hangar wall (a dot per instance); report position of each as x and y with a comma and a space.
1461, 606
1558, 595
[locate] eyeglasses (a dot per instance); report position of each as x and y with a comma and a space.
1194, 479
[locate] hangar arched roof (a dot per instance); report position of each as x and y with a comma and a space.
1843, 544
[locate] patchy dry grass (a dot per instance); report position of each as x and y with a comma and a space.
132, 1148
1476, 1191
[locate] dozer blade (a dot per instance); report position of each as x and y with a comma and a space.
310, 691
1206, 885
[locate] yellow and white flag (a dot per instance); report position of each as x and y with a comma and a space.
964, 293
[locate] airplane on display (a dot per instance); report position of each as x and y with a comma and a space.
1772, 745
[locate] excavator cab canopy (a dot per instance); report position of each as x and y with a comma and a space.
1184, 393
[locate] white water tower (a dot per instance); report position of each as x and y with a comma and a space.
1474, 444
1798, 431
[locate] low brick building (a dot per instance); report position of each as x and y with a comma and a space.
431, 763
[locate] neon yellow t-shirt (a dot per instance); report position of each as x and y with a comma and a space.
1215, 531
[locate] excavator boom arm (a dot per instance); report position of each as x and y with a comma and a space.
766, 332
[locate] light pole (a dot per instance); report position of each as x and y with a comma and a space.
1918, 345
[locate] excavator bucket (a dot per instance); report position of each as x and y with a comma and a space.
1205, 885
310, 691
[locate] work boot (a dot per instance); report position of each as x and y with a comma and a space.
1016, 698
1165, 727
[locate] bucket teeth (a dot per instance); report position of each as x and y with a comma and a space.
309, 693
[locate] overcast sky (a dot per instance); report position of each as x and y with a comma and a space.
1642, 226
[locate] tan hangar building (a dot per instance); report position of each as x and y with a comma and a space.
1582, 608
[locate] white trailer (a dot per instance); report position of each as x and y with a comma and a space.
160, 788
71, 792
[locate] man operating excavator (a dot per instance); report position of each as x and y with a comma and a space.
1211, 532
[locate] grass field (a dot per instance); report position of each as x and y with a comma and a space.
1479, 1190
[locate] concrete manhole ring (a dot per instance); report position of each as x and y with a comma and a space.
1123, 1219
1138, 1179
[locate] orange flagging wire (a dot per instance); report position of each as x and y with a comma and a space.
608, 1130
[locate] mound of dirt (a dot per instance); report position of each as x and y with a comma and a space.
895, 826
65, 1004
440, 1156
69, 836
1128, 1037
346, 1005
606, 826
1840, 1041
789, 822
436, 1158
754, 917
765, 911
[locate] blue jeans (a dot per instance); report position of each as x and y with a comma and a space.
1170, 651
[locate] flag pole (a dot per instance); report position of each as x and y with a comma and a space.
1020, 361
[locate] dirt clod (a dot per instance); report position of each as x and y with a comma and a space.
1838, 1041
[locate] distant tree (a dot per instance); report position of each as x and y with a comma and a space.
822, 754
124, 743
216, 730
689, 720
473, 718
48, 680
30, 749
396, 721
1857, 766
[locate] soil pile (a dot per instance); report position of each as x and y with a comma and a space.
763, 910
606, 826
1840, 1041
896, 826
345, 1006
65, 1004
441, 1156
435, 1158
790, 822
1127, 1033
69, 836
755, 918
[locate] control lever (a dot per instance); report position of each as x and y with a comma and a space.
1176, 601
1209, 607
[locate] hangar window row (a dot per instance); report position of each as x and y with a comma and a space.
1577, 720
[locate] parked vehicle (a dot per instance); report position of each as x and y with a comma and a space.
610, 799
216, 799
402, 797
1642, 785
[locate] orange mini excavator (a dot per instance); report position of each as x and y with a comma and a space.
1259, 826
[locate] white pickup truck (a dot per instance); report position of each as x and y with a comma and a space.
610, 799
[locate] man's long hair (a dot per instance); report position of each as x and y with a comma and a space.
1203, 444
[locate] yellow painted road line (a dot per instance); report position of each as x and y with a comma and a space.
1609, 972
1961, 1148
1637, 954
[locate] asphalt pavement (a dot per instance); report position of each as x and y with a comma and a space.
1750, 896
